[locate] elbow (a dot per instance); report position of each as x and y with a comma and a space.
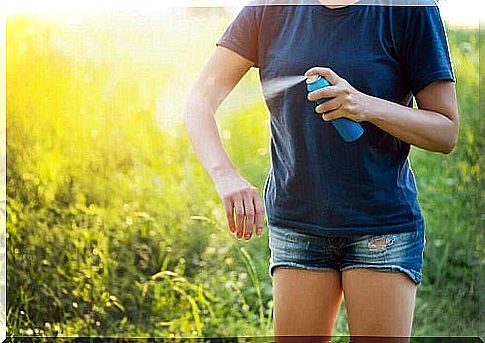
448, 149
197, 107
450, 145
190, 114
452, 140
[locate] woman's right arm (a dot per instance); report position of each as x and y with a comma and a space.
219, 76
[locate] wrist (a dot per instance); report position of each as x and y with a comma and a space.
372, 111
220, 172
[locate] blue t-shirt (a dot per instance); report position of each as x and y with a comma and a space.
318, 183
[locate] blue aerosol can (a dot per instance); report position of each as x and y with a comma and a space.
348, 129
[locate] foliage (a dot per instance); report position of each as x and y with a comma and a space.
449, 195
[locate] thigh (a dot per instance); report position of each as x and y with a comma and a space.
379, 303
306, 302
380, 276
307, 288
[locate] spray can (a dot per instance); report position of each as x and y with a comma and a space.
348, 129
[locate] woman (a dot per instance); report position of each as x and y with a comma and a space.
343, 218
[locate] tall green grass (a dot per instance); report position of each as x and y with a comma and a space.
449, 195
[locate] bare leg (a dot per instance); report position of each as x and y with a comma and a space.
306, 303
379, 303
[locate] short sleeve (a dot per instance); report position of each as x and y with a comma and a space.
241, 36
424, 48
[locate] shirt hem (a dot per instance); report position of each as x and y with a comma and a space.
238, 50
344, 231
444, 75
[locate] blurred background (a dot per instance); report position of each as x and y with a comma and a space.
113, 226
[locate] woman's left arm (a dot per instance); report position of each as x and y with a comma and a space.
433, 126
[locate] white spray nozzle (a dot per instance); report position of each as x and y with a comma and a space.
312, 79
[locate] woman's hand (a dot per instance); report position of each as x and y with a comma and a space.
239, 196
432, 126
346, 100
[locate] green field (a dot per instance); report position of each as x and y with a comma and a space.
114, 228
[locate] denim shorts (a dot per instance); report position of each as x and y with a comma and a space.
402, 252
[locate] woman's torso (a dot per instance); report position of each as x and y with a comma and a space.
317, 181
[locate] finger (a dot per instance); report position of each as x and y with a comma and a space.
230, 214
327, 92
328, 106
249, 212
239, 209
259, 219
327, 73
331, 115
